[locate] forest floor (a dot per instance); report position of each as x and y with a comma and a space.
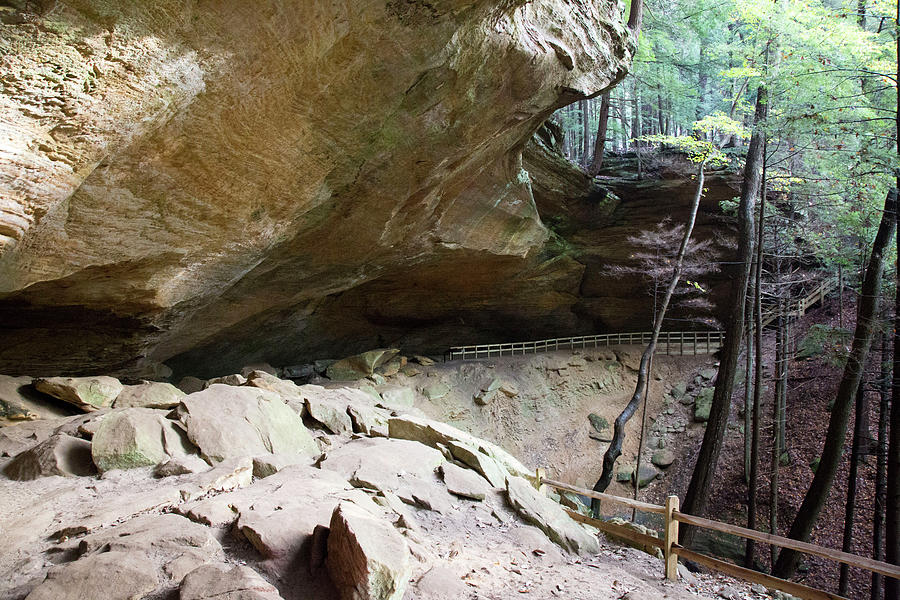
813, 384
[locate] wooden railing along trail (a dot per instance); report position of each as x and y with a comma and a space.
670, 342
672, 551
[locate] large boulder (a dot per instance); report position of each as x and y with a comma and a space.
149, 394
137, 437
549, 517
268, 381
87, 393
227, 421
61, 454
703, 404
367, 558
360, 365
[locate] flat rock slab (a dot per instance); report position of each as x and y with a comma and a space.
492, 470
398, 396
383, 464
549, 517
137, 437
369, 420
60, 454
269, 464
149, 394
226, 582
110, 575
87, 393
464, 482
367, 558
227, 421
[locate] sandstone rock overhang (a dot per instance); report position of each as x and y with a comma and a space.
174, 178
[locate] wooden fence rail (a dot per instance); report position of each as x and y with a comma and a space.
670, 342
672, 551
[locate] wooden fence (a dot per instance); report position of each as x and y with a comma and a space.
670, 342
668, 543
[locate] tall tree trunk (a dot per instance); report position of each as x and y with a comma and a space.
600, 141
837, 425
850, 507
615, 446
750, 549
777, 410
881, 469
704, 471
635, 17
892, 498
748, 384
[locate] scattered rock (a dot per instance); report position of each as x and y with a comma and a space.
393, 366
61, 454
360, 365
703, 404
648, 548
368, 420
549, 517
110, 575
423, 360
398, 396
509, 389
484, 464
226, 421
367, 558
269, 464
436, 391
464, 482
646, 475
663, 458
234, 379
149, 394
483, 398
708, 374
182, 465
600, 424
330, 413
625, 473
226, 582
137, 437
189, 385
262, 367
679, 390
267, 381
299, 371
87, 393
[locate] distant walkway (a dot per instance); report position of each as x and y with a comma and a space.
674, 343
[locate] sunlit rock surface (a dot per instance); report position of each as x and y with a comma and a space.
254, 180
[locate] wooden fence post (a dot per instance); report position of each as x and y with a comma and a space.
539, 476
671, 538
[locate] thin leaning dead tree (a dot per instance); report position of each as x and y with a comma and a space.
701, 153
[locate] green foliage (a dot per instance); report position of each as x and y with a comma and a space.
827, 341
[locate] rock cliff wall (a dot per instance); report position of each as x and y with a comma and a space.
256, 179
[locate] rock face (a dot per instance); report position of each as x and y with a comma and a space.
224, 583
205, 186
367, 558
